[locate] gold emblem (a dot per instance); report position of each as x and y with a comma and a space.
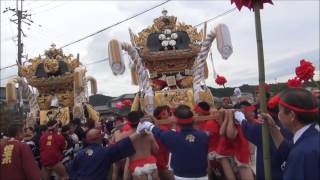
7, 154
190, 138
89, 152
51, 66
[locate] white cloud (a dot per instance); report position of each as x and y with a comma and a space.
290, 31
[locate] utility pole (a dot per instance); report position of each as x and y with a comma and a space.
19, 14
21, 17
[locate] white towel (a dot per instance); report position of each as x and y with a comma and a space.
144, 170
224, 44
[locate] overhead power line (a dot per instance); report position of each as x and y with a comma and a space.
115, 24
216, 17
99, 61
12, 65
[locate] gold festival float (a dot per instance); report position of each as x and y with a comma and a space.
56, 86
169, 62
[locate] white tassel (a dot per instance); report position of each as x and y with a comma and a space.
224, 44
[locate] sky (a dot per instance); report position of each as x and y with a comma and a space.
290, 33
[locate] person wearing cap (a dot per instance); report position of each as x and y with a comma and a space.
16, 158
142, 164
298, 111
52, 145
252, 130
94, 161
189, 147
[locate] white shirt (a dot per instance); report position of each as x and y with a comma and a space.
299, 133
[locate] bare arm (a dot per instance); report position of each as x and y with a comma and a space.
154, 145
223, 125
216, 115
274, 130
231, 130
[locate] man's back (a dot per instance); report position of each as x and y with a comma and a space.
91, 163
189, 150
144, 146
51, 147
94, 161
17, 162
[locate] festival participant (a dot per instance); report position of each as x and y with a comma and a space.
39, 130
52, 145
16, 158
94, 161
162, 119
298, 111
142, 164
211, 127
29, 139
28, 134
225, 148
121, 130
68, 153
189, 147
253, 132
75, 126
249, 111
241, 144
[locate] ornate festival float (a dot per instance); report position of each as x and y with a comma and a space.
56, 86
168, 62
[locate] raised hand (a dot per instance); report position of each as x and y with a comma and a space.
239, 116
146, 125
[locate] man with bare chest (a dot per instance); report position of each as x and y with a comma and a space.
142, 164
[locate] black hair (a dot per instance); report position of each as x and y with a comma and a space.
301, 98
204, 105
183, 111
244, 103
159, 109
65, 128
76, 121
14, 130
134, 118
52, 123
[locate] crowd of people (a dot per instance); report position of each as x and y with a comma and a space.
200, 143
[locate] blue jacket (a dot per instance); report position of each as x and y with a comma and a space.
189, 150
303, 161
94, 161
253, 132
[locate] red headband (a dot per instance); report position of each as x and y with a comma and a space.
273, 102
197, 108
297, 109
249, 108
184, 120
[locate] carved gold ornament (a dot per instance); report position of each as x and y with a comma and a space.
164, 22
51, 66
